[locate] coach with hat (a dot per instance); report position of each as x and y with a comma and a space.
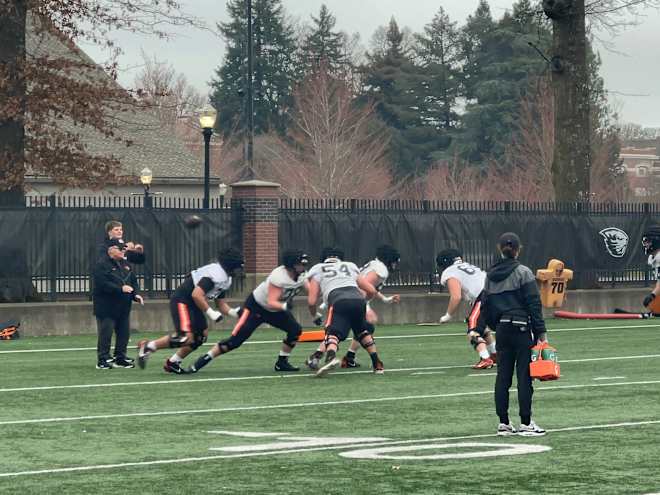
512, 307
115, 289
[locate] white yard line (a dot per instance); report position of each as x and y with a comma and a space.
187, 379
380, 337
483, 374
538, 389
610, 378
182, 460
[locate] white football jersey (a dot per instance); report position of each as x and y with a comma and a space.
214, 271
654, 262
381, 270
334, 275
279, 277
472, 279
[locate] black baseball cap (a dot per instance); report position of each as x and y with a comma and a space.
509, 239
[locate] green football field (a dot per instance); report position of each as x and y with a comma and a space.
427, 426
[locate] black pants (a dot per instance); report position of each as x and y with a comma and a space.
513, 350
105, 327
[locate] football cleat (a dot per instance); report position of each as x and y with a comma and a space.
504, 430
312, 362
143, 353
285, 365
327, 367
349, 363
493, 357
123, 363
104, 365
379, 369
531, 430
484, 364
171, 367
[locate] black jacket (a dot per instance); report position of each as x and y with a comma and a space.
131, 256
511, 292
109, 299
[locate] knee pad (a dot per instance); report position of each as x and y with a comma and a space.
369, 327
179, 339
292, 336
365, 339
229, 344
198, 341
476, 339
331, 339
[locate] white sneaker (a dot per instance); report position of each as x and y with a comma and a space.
504, 430
327, 367
531, 430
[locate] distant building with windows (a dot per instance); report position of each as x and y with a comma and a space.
641, 159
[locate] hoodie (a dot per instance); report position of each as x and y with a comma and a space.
511, 292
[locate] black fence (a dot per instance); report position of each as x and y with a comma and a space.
48, 249
601, 242
49, 246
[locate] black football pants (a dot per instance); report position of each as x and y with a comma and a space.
105, 327
513, 351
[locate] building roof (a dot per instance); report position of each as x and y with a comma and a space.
153, 145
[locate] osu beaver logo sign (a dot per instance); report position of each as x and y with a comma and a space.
616, 241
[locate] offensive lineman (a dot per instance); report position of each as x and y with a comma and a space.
375, 272
339, 283
651, 245
188, 305
466, 281
269, 303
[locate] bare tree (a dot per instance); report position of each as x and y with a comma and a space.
336, 148
166, 92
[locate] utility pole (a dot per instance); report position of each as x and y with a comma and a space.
250, 97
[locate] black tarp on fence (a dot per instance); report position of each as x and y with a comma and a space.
602, 244
56, 247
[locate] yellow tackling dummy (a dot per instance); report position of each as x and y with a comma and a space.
553, 281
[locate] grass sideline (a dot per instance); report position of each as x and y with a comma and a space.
68, 427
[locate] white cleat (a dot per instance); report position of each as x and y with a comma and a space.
327, 367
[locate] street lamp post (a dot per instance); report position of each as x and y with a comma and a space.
146, 177
207, 121
222, 187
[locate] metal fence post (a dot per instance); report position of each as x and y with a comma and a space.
52, 249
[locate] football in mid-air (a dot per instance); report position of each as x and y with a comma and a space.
192, 221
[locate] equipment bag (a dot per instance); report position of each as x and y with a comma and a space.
544, 365
9, 330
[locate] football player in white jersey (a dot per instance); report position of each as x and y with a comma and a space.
343, 290
188, 305
466, 282
651, 245
269, 303
375, 272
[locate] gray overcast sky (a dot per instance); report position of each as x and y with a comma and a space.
634, 69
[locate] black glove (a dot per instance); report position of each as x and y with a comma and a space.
318, 321
648, 299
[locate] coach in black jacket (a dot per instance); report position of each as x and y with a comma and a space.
115, 289
513, 308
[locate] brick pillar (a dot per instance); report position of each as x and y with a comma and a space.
259, 202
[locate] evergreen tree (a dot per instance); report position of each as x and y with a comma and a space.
323, 46
273, 65
440, 56
498, 71
396, 84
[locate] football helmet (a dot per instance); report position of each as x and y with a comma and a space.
293, 257
446, 258
231, 260
651, 239
331, 252
388, 255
